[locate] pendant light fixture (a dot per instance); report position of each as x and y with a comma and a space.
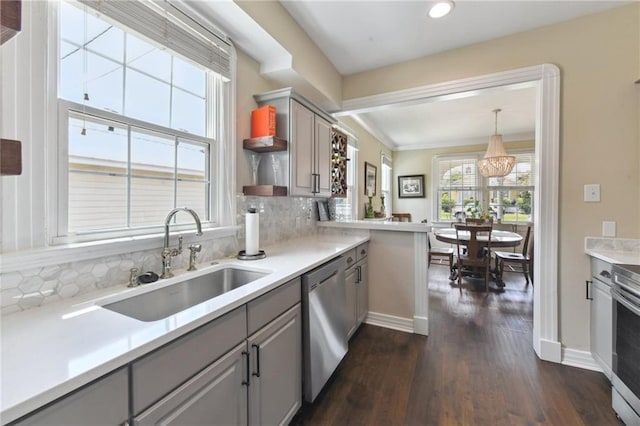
496, 162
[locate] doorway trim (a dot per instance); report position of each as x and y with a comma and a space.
546, 77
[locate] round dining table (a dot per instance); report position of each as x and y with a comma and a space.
498, 239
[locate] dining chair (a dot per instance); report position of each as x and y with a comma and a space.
516, 262
477, 257
401, 217
477, 221
441, 253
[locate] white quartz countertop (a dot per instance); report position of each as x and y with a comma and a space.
614, 250
49, 351
378, 225
612, 256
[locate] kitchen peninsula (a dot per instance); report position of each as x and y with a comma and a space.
398, 299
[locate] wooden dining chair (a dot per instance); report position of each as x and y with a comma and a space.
477, 221
440, 253
477, 258
401, 217
523, 262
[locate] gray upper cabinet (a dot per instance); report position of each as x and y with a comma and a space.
104, 402
308, 131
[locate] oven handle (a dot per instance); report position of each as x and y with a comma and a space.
626, 283
626, 300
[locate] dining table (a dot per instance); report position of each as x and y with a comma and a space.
499, 238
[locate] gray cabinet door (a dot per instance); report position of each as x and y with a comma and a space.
104, 402
601, 326
323, 154
351, 284
215, 396
275, 392
302, 150
362, 293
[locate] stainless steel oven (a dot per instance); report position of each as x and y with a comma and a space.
625, 292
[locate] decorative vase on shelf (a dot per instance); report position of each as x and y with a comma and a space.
370, 214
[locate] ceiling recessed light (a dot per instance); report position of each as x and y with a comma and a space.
441, 8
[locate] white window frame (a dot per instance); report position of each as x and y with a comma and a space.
386, 183
481, 189
221, 162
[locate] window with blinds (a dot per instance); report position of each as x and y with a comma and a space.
142, 92
462, 191
458, 185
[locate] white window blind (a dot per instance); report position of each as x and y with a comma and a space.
165, 24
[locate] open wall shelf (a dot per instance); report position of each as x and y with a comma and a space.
265, 144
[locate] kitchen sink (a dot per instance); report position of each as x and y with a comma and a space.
166, 301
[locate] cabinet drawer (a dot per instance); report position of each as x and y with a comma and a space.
350, 258
268, 306
158, 373
601, 270
104, 402
213, 396
362, 251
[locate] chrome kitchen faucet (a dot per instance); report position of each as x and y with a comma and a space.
168, 253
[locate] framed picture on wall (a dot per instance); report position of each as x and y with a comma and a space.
411, 186
370, 175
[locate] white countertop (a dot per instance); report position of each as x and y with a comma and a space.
613, 250
378, 225
614, 256
49, 351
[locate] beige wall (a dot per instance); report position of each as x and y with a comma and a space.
248, 83
420, 161
391, 279
308, 60
598, 56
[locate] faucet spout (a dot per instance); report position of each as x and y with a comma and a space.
167, 253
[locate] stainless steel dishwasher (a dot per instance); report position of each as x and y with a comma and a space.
324, 310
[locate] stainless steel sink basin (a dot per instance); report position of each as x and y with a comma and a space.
166, 301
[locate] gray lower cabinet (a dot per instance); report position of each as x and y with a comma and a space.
362, 290
601, 331
351, 282
103, 402
253, 380
357, 287
275, 389
214, 396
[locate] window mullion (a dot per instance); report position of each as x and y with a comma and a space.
175, 173
129, 179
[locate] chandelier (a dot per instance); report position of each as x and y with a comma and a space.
496, 162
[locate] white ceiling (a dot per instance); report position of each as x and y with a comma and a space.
362, 35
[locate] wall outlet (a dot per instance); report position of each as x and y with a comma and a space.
608, 229
592, 193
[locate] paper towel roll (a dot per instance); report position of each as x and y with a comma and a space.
252, 233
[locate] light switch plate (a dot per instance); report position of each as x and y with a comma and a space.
608, 229
592, 193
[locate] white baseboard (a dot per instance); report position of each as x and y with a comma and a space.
549, 350
390, 321
580, 359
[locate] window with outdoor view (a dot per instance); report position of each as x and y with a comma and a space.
138, 121
463, 192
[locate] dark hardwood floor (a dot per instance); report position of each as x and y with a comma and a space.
476, 367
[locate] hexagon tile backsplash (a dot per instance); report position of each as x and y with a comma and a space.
281, 219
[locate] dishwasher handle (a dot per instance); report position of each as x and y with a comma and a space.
314, 285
